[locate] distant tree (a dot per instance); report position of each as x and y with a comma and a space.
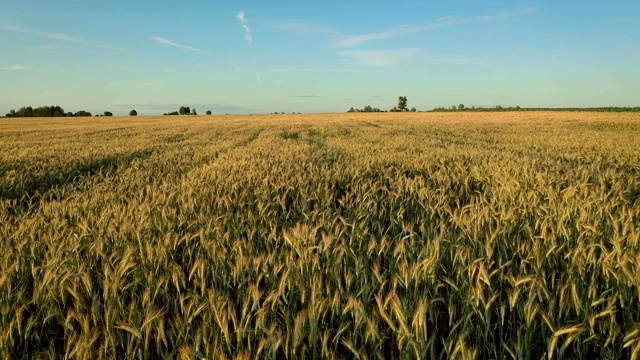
208, 112
184, 110
351, 110
27, 111
133, 113
108, 113
57, 111
498, 108
461, 107
402, 103
193, 112
453, 107
413, 109
82, 113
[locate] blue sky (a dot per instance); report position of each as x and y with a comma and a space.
316, 56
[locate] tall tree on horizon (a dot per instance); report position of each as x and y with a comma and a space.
402, 103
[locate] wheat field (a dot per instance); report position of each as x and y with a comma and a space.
363, 236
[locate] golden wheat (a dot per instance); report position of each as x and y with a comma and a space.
475, 235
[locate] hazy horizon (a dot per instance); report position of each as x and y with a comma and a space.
252, 57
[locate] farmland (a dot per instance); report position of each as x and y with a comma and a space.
412, 235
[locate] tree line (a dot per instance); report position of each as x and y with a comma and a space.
402, 106
45, 111
55, 111
461, 107
58, 111
185, 110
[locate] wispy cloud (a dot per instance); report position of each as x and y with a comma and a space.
455, 60
259, 77
249, 38
304, 28
51, 69
318, 70
403, 30
58, 36
13, 68
247, 30
46, 47
162, 40
382, 58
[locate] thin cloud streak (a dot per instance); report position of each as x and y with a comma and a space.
51, 69
382, 58
356, 40
162, 40
247, 29
13, 68
41, 48
58, 36
249, 39
454, 61
318, 70
304, 28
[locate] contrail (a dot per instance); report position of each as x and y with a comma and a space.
247, 29
249, 38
